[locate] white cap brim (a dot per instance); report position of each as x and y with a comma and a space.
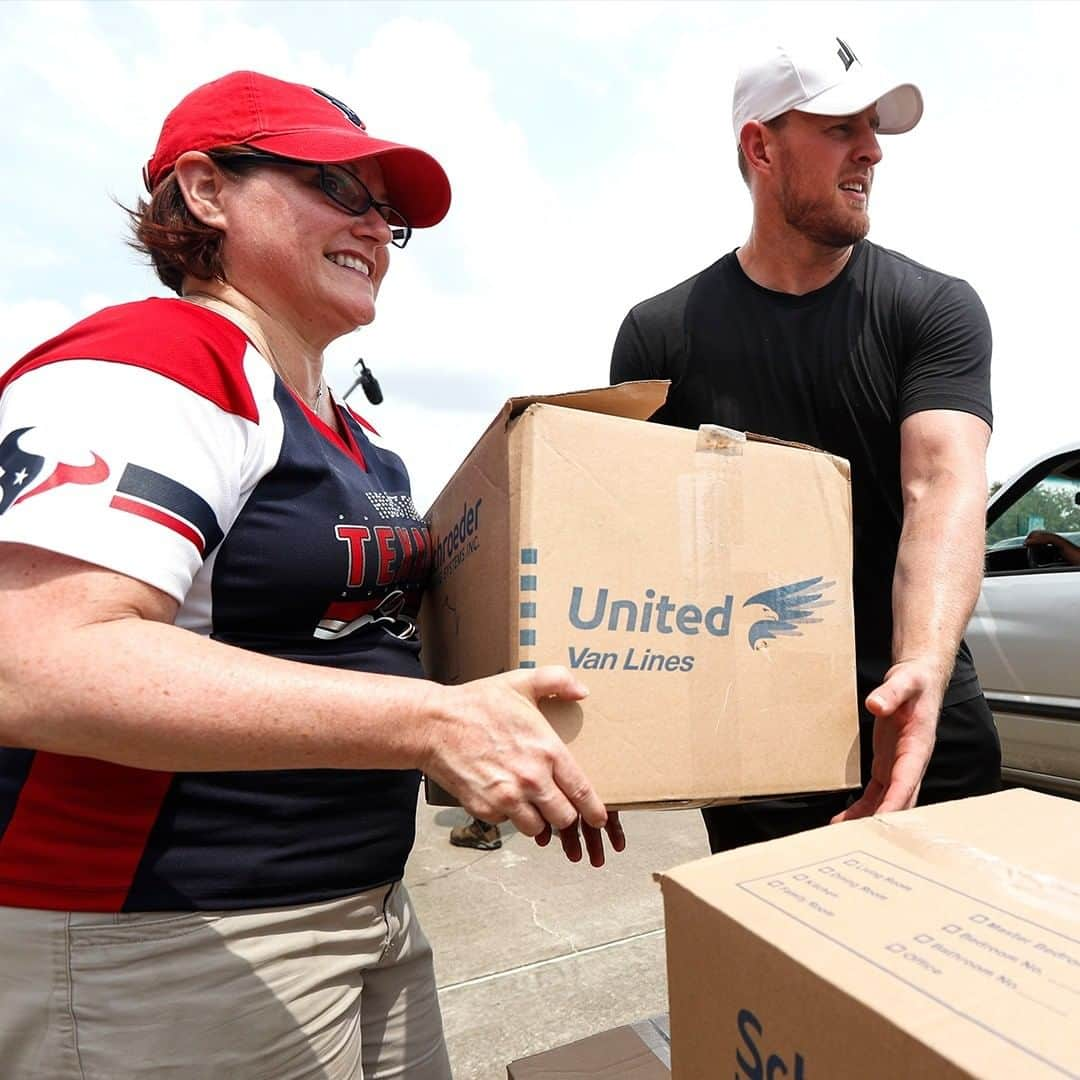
899, 105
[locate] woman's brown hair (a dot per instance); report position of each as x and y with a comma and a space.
176, 241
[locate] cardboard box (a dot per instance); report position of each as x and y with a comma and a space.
698, 581
639, 1051
939, 943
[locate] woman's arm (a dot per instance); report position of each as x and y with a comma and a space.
91, 665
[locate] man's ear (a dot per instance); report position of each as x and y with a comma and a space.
202, 184
754, 141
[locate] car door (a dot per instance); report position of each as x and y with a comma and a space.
1025, 631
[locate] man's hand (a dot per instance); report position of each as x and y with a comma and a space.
491, 746
905, 708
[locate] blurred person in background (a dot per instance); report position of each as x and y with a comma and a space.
1070, 553
474, 833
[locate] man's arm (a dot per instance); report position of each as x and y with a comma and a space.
631, 357
935, 586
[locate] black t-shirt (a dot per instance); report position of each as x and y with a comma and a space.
839, 369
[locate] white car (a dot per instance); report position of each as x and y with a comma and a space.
1025, 632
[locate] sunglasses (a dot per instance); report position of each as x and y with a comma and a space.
342, 187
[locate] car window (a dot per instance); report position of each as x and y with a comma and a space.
1047, 500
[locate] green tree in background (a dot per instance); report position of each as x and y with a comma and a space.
1050, 505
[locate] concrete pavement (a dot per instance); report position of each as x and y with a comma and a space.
532, 951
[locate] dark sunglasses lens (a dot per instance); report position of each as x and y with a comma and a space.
351, 194
345, 189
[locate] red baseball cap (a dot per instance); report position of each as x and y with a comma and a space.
299, 122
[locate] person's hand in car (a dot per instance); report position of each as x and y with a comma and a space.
1069, 551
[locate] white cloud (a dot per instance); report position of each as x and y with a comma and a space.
26, 323
20, 251
589, 21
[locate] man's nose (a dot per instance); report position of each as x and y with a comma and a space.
869, 149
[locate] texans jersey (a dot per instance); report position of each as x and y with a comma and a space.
154, 440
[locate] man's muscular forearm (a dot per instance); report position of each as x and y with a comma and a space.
935, 584
938, 567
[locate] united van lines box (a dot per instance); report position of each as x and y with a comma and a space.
698, 581
943, 942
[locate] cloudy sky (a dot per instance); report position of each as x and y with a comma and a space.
590, 151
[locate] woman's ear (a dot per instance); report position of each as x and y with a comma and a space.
202, 184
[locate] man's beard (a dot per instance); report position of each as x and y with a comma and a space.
819, 220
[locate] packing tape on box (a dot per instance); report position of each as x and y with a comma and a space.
655, 1033
1039, 890
720, 440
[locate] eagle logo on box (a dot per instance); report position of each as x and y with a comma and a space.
790, 608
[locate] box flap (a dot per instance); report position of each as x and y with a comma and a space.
636, 400
632, 400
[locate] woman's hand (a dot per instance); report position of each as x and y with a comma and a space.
491, 746
594, 839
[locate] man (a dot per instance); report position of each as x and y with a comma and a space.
811, 333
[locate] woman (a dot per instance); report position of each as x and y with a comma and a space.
210, 686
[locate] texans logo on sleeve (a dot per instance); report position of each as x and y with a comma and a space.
20, 469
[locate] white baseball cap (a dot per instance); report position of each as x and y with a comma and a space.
823, 77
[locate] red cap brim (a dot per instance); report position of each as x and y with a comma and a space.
415, 182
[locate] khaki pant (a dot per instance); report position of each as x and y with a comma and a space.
340, 990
